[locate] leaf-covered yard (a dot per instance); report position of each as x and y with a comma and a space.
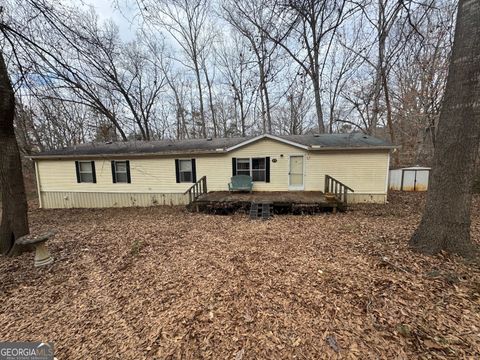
164, 283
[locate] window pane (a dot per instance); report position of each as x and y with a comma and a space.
243, 172
86, 177
185, 165
258, 175
258, 163
186, 176
85, 166
243, 164
121, 166
121, 177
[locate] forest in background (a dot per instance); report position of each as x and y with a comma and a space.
201, 68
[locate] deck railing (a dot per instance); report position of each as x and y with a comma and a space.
197, 189
333, 186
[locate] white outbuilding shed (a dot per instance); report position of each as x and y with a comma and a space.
413, 178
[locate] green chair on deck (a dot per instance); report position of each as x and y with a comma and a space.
240, 183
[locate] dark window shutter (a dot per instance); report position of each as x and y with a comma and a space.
129, 179
234, 166
114, 175
77, 169
94, 174
194, 171
177, 170
267, 169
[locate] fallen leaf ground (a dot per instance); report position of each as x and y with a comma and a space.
155, 283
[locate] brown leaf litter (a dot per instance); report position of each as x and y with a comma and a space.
160, 283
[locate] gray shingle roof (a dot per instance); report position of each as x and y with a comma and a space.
217, 145
351, 140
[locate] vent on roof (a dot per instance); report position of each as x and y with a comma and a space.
316, 135
108, 142
209, 139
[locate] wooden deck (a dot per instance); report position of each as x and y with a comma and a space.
296, 202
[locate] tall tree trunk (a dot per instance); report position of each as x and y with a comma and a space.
388, 104
262, 93
318, 103
446, 221
267, 108
377, 86
210, 100
242, 118
200, 96
14, 223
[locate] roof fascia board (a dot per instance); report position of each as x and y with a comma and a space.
372, 147
123, 155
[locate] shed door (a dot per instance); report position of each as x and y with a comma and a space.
295, 174
415, 180
408, 180
421, 180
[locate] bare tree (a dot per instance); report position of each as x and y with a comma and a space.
253, 19
187, 22
141, 84
446, 221
418, 85
235, 62
305, 30
293, 119
340, 67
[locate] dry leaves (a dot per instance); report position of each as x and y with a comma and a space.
164, 283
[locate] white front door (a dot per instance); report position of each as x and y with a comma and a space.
295, 174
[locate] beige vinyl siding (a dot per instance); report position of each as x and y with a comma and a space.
148, 175
364, 171
154, 181
219, 170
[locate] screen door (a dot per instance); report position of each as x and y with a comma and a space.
295, 174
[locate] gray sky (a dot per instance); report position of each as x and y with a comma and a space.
106, 10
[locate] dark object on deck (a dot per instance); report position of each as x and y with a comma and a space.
42, 255
241, 183
260, 210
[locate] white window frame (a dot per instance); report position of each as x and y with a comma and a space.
180, 171
250, 167
121, 172
80, 172
243, 171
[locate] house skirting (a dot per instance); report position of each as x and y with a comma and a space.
357, 198
72, 199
